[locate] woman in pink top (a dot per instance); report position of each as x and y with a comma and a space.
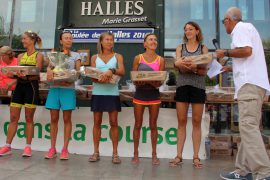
7, 59
147, 95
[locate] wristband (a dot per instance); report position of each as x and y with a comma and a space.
226, 53
113, 70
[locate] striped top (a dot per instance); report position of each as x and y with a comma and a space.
191, 79
107, 88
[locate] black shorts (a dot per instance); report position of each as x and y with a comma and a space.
190, 94
105, 103
25, 94
147, 93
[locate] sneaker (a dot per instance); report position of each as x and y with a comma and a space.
267, 178
64, 154
51, 153
27, 152
234, 175
5, 151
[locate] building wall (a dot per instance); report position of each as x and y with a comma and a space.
69, 16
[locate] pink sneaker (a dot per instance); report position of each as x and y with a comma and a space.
51, 153
27, 152
5, 151
64, 154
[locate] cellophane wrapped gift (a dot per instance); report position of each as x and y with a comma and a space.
148, 76
58, 61
97, 74
203, 59
26, 70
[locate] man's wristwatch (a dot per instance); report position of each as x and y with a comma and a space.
226, 53
113, 70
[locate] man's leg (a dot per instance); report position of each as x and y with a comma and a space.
252, 155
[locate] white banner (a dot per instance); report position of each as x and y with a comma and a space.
81, 140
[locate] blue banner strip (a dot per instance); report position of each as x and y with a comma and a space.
122, 35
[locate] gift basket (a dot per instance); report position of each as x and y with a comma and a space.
58, 62
203, 59
98, 74
148, 76
26, 70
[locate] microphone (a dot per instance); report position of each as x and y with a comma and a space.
215, 43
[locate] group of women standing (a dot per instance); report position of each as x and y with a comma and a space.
105, 96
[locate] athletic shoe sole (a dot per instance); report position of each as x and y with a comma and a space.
26, 155
47, 157
231, 179
6, 154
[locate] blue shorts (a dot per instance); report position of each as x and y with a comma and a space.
61, 98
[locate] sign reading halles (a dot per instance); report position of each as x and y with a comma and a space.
121, 35
113, 14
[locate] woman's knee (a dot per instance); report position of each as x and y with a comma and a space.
182, 122
196, 122
97, 124
138, 125
29, 119
153, 127
14, 118
113, 123
54, 119
67, 120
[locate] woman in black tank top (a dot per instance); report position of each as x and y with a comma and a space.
25, 94
190, 90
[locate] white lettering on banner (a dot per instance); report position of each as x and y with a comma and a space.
86, 8
121, 34
117, 6
134, 20
80, 35
98, 10
124, 20
109, 13
81, 139
139, 7
131, 8
118, 34
112, 21
95, 35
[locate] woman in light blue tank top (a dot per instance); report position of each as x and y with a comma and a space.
105, 96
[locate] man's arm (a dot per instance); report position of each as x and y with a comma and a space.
242, 52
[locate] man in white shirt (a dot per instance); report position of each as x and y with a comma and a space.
251, 85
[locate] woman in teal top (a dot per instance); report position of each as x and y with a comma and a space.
62, 96
105, 96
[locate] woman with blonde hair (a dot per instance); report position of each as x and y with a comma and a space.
25, 94
105, 96
190, 90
